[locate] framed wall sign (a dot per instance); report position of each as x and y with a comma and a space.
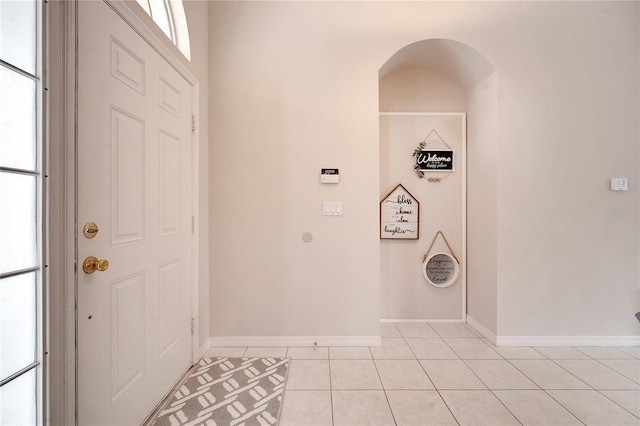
435, 160
429, 159
440, 269
399, 215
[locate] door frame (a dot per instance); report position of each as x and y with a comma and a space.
62, 390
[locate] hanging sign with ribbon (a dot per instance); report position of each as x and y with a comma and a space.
441, 269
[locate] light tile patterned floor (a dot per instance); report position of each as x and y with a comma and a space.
446, 374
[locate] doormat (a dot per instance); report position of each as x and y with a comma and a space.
228, 391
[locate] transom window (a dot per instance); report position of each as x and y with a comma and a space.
170, 17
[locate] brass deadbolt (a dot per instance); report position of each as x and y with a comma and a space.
90, 230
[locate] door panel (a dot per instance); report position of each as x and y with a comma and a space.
127, 333
169, 311
134, 182
170, 185
127, 177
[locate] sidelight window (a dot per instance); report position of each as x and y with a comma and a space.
21, 206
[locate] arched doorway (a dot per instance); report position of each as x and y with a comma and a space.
420, 86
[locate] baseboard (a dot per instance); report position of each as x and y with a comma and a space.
490, 335
204, 348
441, 321
568, 341
553, 340
288, 341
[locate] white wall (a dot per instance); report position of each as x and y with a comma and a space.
420, 90
568, 121
482, 223
282, 107
293, 88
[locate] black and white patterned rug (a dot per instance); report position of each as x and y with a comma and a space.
228, 391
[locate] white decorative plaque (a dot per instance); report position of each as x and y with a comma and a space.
399, 215
440, 269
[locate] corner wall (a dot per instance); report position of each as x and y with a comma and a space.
482, 221
197, 13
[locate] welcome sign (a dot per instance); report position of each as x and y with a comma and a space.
435, 160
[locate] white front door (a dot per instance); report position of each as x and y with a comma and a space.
134, 182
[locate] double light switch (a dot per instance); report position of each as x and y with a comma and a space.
332, 208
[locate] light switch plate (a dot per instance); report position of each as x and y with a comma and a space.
332, 208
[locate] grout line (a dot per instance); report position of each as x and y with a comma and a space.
447, 405
384, 391
560, 404
581, 380
546, 390
464, 361
333, 420
591, 388
616, 371
631, 390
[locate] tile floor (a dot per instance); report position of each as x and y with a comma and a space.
446, 374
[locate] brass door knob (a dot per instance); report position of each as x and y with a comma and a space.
92, 264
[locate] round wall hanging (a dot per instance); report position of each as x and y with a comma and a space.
440, 269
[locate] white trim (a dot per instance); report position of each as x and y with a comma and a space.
568, 341
464, 216
204, 348
288, 341
61, 245
482, 330
425, 321
195, 234
553, 340
421, 114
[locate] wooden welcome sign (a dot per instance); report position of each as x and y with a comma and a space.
399, 215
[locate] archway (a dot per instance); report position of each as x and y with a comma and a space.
424, 78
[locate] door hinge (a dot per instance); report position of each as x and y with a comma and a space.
193, 224
193, 123
193, 325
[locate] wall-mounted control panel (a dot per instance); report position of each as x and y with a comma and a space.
618, 184
329, 176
